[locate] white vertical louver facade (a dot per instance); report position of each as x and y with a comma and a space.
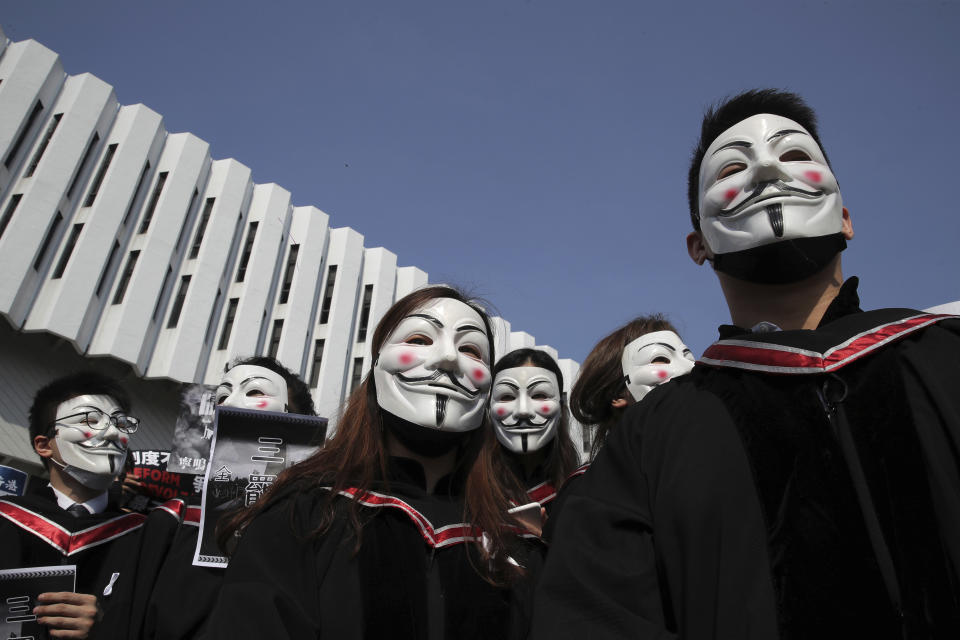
137, 251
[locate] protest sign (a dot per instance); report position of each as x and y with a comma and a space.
248, 452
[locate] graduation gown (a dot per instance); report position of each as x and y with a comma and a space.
183, 594
122, 551
412, 577
797, 484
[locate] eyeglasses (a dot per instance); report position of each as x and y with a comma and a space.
93, 419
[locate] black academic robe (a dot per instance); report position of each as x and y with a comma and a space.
122, 551
797, 484
412, 577
183, 594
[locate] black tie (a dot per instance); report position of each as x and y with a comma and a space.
77, 510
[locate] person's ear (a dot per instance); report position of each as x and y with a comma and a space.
697, 247
847, 225
619, 403
43, 446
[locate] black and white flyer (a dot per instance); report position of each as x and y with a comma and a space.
190, 448
19, 589
248, 451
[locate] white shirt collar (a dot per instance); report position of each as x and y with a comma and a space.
96, 504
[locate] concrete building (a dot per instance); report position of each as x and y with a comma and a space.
129, 250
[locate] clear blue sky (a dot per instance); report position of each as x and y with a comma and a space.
536, 151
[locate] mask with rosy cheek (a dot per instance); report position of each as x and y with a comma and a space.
249, 386
525, 408
653, 359
92, 454
770, 207
433, 370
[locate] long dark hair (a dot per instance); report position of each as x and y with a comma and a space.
601, 378
356, 457
562, 458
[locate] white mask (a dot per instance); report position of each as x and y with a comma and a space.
247, 386
766, 180
652, 359
92, 452
434, 368
525, 408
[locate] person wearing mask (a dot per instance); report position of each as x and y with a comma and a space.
398, 527
803, 480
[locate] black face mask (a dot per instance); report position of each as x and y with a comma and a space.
423, 441
781, 262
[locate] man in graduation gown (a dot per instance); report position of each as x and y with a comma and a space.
803, 480
80, 428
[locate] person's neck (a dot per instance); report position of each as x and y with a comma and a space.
530, 461
70, 487
799, 305
433, 468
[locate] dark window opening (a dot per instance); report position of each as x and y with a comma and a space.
328, 294
247, 249
201, 228
317, 359
228, 324
357, 373
43, 144
152, 206
107, 267
365, 313
67, 251
136, 193
178, 302
31, 120
125, 277
82, 169
163, 292
288, 275
213, 316
8, 212
98, 179
275, 338
186, 220
51, 233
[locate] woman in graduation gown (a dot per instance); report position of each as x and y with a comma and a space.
395, 529
530, 420
619, 371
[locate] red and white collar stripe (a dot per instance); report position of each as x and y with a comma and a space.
174, 507
775, 358
542, 493
63, 540
437, 538
192, 516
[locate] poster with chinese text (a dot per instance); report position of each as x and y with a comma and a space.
19, 589
193, 431
13, 482
248, 452
150, 467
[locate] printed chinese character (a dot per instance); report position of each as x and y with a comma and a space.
11, 486
223, 474
256, 485
165, 457
198, 484
150, 458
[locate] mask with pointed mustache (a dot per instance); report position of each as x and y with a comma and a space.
93, 454
525, 408
434, 368
770, 206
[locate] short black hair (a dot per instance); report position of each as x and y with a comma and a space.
47, 399
729, 112
299, 399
